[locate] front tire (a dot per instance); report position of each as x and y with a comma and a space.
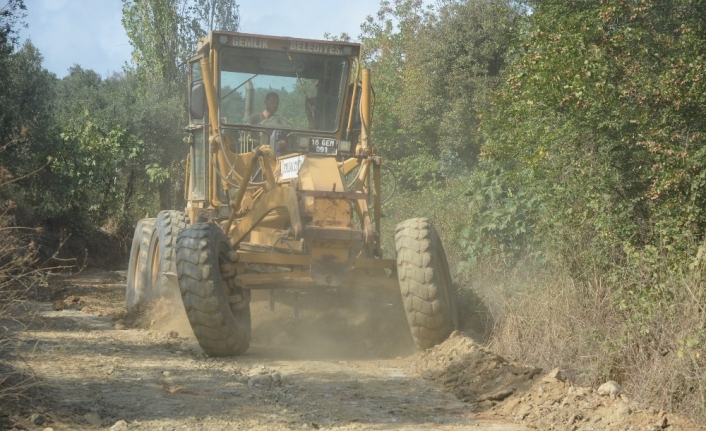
137, 291
218, 310
425, 282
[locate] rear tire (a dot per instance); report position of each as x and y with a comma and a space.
137, 291
207, 280
162, 252
425, 282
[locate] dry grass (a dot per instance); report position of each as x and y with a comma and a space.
23, 279
20, 273
645, 330
648, 339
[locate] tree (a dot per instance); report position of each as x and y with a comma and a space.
452, 69
388, 40
212, 15
164, 33
27, 111
160, 35
157, 115
434, 68
105, 121
92, 167
600, 124
11, 15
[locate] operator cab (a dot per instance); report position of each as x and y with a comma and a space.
313, 81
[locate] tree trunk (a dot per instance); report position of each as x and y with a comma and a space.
165, 196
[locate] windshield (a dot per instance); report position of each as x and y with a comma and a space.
281, 90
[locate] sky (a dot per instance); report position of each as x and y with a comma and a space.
89, 32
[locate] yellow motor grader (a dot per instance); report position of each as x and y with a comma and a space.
284, 191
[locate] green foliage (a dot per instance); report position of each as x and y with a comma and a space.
123, 129
591, 186
433, 70
90, 166
92, 151
445, 204
499, 226
89, 135
451, 70
416, 172
386, 40
11, 15
689, 346
164, 33
208, 15
161, 37
26, 117
606, 107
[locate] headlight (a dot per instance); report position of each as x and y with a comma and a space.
344, 146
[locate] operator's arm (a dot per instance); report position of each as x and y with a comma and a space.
255, 119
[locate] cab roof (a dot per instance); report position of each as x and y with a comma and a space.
277, 43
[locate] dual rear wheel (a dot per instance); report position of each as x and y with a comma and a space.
153, 257
138, 290
169, 258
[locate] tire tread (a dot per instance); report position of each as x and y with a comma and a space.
419, 264
137, 286
220, 330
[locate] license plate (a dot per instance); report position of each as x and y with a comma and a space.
323, 146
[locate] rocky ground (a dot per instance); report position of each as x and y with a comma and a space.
342, 364
497, 388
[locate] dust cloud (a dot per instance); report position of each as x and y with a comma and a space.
167, 315
331, 324
309, 324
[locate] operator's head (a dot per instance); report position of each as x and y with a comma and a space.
271, 102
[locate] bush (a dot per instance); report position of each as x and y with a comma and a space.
20, 273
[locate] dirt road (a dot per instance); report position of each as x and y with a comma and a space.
327, 369
340, 365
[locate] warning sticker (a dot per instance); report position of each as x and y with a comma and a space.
289, 167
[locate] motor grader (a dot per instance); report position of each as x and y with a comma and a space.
290, 199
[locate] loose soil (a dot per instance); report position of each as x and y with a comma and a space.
344, 363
